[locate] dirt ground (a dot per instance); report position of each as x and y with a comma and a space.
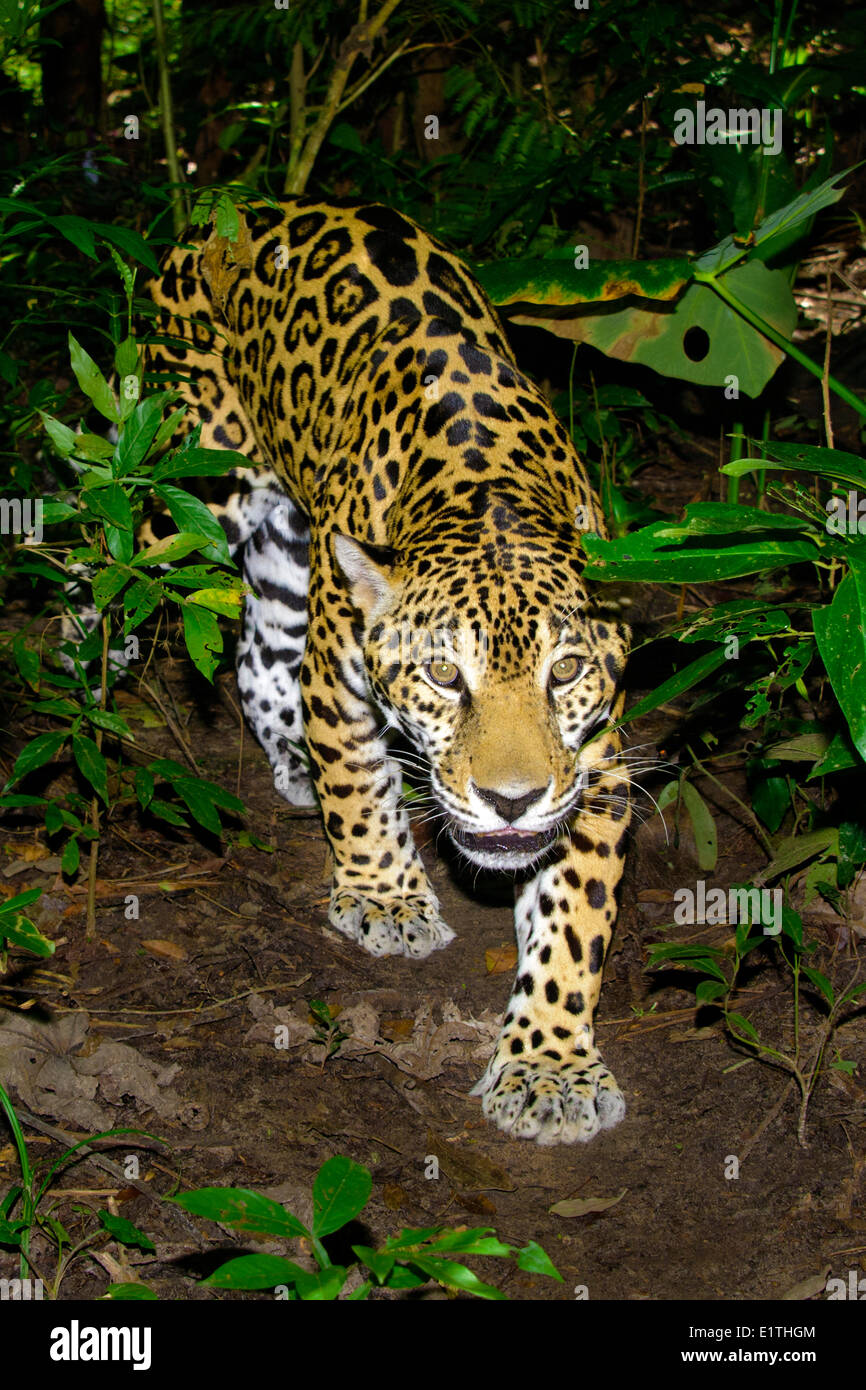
230, 942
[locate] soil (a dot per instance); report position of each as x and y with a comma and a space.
703, 1192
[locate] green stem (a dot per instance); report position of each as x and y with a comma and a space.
26, 1179
704, 277
179, 210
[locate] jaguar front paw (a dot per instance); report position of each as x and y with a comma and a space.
408, 926
535, 1097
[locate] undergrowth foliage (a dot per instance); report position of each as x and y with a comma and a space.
95, 563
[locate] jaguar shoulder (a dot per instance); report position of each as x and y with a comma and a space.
411, 532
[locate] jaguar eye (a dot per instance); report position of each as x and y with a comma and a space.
442, 672
567, 669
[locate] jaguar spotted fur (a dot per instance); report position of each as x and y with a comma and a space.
411, 531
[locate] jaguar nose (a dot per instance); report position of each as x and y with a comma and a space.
510, 808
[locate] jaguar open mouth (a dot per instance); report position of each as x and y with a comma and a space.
521, 842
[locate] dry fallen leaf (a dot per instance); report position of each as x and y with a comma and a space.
807, 1288
502, 960
585, 1206
169, 950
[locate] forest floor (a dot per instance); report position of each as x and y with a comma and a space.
702, 1192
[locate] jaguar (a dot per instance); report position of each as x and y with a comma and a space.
411, 527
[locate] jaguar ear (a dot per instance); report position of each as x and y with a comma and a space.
368, 570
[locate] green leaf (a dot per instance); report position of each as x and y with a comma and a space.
170, 548
130, 1293
203, 639
725, 518
62, 437
227, 220
107, 583
323, 1286
557, 282
380, 1262
91, 764
120, 544
852, 851
111, 502
659, 337
456, 1276
30, 895
340, 1191
703, 824
140, 602
105, 719
190, 514
79, 232
17, 930
743, 1025
802, 458
130, 242
126, 357
71, 858
243, 1209
27, 662
709, 990
840, 631
225, 601
651, 554
797, 849
840, 756
55, 512
91, 381
821, 983
200, 803
144, 785
138, 433
38, 751
536, 1261
93, 447
165, 811
690, 675
199, 463
124, 1231
256, 1272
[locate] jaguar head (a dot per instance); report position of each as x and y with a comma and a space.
492, 661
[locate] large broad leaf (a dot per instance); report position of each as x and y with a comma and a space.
803, 458
662, 554
690, 675
559, 282
700, 322
840, 631
340, 1191
190, 514
203, 638
138, 433
242, 1208
197, 463
91, 381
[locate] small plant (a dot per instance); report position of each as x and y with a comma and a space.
721, 969
17, 930
341, 1190
96, 561
31, 1207
328, 1031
